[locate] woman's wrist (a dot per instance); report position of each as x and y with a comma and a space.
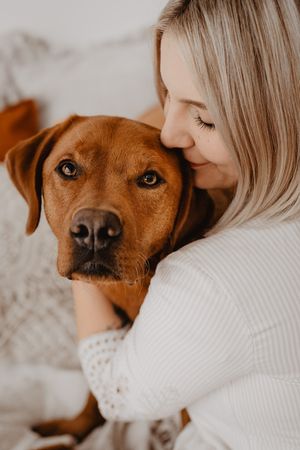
94, 312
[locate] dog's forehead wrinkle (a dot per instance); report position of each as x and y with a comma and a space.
79, 135
105, 128
87, 132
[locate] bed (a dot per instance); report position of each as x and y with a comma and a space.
43, 80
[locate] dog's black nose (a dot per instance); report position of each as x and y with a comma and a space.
95, 229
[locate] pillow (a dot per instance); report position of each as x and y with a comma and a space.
110, 78
17, 122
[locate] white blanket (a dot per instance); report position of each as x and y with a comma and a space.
40, 377
33, 393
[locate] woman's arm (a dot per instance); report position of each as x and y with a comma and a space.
188, 339
94, 312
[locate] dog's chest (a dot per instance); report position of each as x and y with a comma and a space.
128, 297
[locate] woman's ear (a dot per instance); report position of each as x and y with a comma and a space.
24, 163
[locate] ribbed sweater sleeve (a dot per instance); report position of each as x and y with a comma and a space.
188, 340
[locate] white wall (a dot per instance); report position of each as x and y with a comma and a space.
78, 22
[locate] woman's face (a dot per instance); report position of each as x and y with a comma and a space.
189, 125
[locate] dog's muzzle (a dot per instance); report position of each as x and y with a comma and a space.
96, 235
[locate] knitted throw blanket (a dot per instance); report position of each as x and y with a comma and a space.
38, 350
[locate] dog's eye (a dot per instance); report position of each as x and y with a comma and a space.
67, 169
149, 179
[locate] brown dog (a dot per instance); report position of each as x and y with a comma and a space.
117, 201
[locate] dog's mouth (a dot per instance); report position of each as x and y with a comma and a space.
100, 266
105, 266
92, 268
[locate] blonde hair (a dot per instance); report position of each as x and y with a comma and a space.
244, 54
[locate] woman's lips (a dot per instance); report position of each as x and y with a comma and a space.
197, 166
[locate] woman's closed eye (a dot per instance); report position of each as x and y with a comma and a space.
195, 114
201, 123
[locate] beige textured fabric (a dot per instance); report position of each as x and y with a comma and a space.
36, 320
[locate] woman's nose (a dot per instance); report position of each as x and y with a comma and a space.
174, 133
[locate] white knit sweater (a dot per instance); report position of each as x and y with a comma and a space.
219, 334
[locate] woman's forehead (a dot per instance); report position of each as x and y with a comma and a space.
174, 71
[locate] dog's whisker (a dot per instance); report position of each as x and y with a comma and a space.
142, 262
139, 270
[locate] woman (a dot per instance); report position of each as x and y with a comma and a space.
218, 332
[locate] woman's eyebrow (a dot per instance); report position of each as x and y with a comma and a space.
193, 102
185, 100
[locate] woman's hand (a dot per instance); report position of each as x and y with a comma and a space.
94, 312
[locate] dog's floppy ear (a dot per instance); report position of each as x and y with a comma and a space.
195, 212
24, 163
184, 205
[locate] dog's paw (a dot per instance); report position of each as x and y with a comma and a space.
79, 427
54, 428
55, 443
54, 447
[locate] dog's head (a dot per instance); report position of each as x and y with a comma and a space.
114, 197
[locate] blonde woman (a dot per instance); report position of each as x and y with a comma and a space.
219, 330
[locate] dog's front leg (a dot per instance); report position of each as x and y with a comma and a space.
79, 427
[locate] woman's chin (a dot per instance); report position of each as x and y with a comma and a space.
207, 182
212, 180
